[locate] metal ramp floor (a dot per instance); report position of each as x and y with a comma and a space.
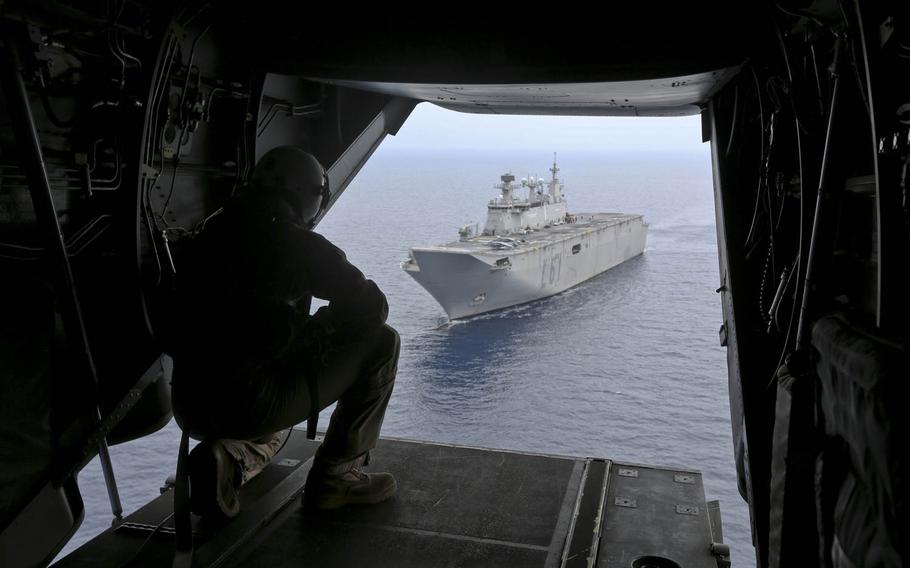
455, 506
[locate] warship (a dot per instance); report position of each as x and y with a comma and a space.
529, 249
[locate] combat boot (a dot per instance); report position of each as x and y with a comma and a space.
330, 486
215, 479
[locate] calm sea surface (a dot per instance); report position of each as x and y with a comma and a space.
625, 366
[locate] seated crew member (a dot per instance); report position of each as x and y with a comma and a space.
250, 362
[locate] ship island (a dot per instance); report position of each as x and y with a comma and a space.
530, 248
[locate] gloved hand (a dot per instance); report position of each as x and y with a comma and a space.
317, 330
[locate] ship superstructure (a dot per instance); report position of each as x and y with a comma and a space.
544, 206
530, 248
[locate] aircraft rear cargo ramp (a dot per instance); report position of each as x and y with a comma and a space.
455, 506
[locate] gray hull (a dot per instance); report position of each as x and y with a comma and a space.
471, 277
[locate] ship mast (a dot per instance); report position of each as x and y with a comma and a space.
555, 192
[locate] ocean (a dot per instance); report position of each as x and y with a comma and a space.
625, 366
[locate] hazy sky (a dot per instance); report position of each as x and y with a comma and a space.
430, 126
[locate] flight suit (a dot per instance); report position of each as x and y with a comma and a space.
249, 357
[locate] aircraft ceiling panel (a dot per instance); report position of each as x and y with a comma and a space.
670, 96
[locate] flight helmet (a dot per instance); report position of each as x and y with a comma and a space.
297, 177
